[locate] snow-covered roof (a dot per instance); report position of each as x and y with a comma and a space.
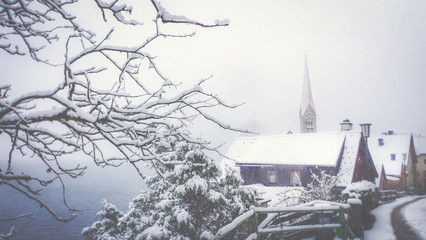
378, 167
398, 144
320, 149
350, 153
392, 168
390, 150
420, 145
390, 178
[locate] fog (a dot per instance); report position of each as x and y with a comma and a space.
366, 62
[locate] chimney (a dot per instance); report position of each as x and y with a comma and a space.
346, 125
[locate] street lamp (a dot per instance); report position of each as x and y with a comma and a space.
365, 128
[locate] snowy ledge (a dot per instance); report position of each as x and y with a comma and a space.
296, 209
234, 224
298, 228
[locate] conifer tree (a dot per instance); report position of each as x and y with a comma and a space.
185, 201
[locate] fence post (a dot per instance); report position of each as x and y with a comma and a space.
255, 224
342, 221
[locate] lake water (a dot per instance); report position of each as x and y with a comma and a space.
85, 194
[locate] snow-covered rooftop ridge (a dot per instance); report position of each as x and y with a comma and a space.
290, 149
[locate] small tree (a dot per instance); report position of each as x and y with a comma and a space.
320, 188
187, 200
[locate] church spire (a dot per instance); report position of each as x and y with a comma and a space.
308, 121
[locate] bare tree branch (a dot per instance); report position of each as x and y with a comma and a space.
8, 235
111, 103
25, 215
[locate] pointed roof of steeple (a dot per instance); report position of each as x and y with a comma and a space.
307, 98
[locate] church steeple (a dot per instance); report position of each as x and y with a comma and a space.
308, 117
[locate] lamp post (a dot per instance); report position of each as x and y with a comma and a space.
365, 128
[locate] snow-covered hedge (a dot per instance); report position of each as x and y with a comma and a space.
363, 190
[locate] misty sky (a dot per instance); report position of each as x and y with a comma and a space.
366, 59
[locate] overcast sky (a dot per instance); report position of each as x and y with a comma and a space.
366, 60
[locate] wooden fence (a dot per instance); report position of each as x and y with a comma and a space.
388, 195
256, 230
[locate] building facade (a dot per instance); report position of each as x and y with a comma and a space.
291, 159
396, 152
420, 146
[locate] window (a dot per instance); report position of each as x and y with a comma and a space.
272, 176
424, 173
392, 156
424, 161
295, 178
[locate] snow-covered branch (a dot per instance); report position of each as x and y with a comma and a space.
113, 102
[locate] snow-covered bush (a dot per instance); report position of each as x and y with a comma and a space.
186, 201
322, 187
366, 194
365, 191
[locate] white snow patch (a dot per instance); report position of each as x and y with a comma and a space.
182, 216
237, 221
324, 149
353, 201
359, 187
415, 215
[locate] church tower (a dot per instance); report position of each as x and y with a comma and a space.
308, 116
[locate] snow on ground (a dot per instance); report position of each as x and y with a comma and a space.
415, 215
382, 228
273, 193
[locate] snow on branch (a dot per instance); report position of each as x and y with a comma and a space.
25, 215
26, 20
10, 234
113, 102
168, 17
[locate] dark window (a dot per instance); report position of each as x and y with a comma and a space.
392, 156
424, 161
424, 173
272, 176
295, 178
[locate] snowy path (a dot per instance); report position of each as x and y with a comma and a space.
403, 230
382, 228
415, 215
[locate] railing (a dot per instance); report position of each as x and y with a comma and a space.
388, 195
316, 207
